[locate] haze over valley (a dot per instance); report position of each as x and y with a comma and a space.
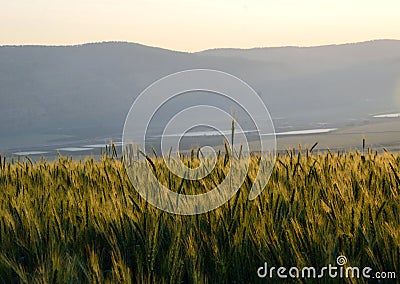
62, 98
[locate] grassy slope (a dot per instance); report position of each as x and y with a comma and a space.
82, 221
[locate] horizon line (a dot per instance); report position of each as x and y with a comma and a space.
199, 51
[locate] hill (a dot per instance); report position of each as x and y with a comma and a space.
85, 91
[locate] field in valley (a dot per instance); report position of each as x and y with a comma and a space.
71, 221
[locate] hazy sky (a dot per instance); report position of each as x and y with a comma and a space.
196, 25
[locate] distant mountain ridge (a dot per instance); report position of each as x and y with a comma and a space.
86, 90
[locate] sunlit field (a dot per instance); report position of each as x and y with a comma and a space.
82, 222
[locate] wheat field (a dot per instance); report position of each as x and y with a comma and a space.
71, 221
